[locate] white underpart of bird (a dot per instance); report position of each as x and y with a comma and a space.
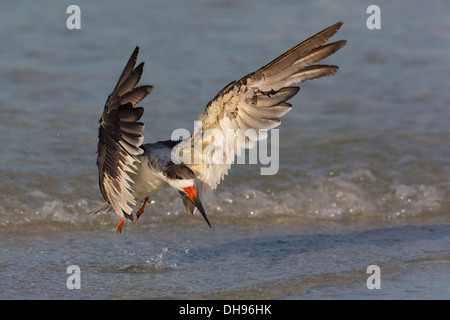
130, 171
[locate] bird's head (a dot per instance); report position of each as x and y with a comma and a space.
182, 178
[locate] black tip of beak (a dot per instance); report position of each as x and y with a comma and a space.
199, 206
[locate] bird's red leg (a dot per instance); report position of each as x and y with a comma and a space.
119, 226
141, 210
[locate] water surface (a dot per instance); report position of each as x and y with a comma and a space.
364, 155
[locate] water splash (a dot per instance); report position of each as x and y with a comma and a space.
162, 261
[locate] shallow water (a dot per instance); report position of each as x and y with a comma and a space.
364, 155
286, 260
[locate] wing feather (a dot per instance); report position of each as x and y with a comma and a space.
120, 137
256, 102
269, 112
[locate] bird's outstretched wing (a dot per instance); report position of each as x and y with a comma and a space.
119, 139
257, 101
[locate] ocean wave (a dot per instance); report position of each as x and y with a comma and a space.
333, 196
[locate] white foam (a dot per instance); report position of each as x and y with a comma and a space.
331, 196
335, 196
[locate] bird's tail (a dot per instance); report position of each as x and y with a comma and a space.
105, 206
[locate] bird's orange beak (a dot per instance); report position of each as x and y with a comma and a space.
192, 193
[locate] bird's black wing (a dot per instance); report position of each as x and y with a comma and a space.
120, 136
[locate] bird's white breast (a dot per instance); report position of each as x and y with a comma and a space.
147, 181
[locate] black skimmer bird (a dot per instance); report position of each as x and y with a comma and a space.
130, 171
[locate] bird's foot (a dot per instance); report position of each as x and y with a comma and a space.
119, 226
141, 210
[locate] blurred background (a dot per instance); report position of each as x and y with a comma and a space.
369, 146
